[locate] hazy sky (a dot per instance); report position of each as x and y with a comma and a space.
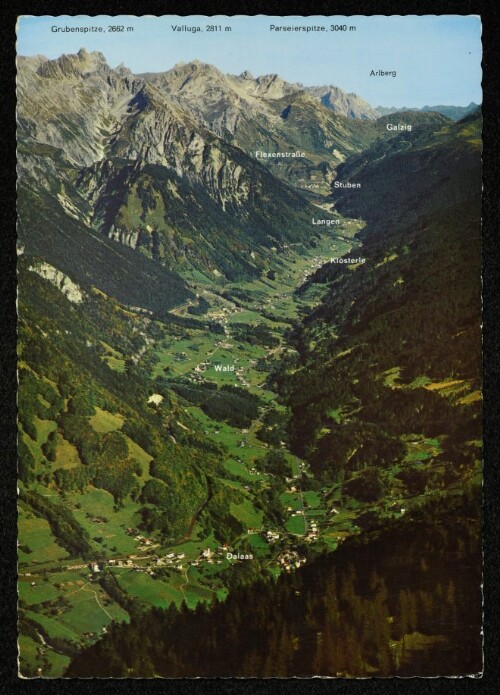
437, 58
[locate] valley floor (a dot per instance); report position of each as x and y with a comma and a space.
67, 599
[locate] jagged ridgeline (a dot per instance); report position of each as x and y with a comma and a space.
172, 170
118, 159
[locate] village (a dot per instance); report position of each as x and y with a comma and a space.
152, 562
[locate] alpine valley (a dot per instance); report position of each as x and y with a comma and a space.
249, 378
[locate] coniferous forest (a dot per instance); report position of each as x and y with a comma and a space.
403, 600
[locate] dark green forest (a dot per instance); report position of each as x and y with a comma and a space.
391, 355
404, 600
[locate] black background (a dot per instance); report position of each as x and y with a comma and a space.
490, 682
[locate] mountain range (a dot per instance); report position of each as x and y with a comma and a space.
130, 154
217, 387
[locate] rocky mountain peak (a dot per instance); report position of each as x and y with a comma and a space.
191, 79
74, 65
346, 104
122, 70
274, 87
30, 62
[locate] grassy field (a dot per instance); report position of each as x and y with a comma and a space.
42, 591
66, 454
56, 664
98, 504
312, 499
43, 428
238, 470
35, 534
247, 514
422, 449
141, 456
296, 525
162, 593
291, 499
259, 544
115, 363
198, 594
54, 626
104, 422
34, 655
92, 609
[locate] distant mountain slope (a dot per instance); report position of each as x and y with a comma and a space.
341, 102
456, 113
268, 115
413, 119
399, 176
453, 112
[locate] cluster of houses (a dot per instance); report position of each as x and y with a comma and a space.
174, 560
290, 560
146, 543
272, 536
312, 534
93, 635
143, 542
211, 557
223, 313
315, 264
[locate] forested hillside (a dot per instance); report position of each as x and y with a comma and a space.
386, 390
402, 600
